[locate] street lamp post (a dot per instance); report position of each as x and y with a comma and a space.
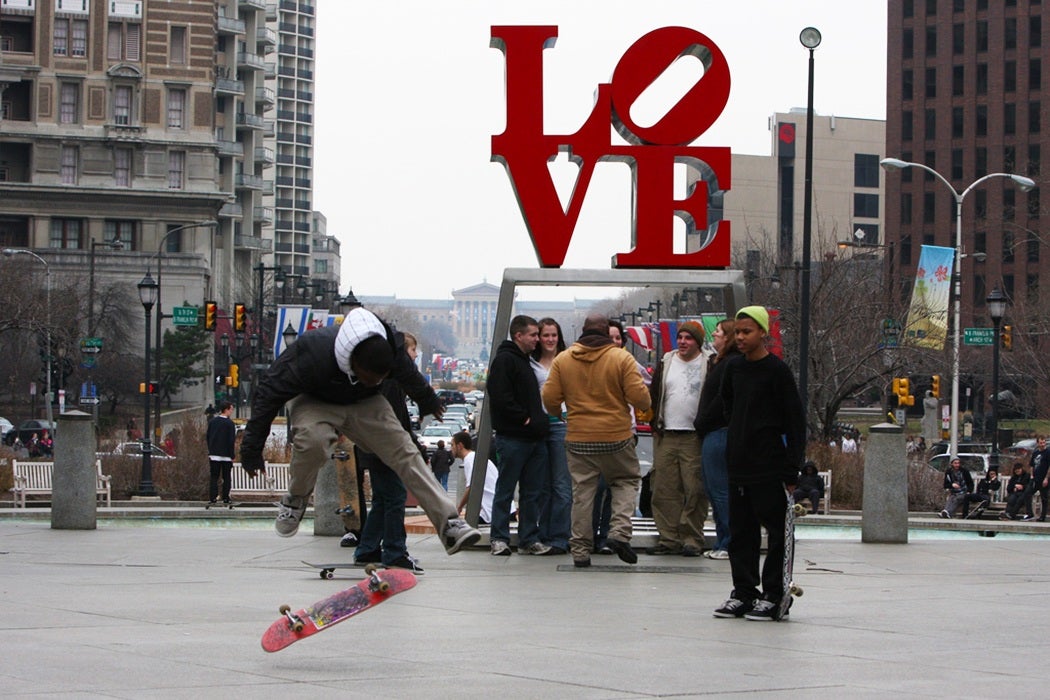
996, 309
8, 252
160, 307
1024, 184
148, 292
810, 38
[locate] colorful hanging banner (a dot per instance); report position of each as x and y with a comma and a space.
927, 324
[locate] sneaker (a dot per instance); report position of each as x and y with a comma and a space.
458, 534
690, 551
733, 608
581, 563
372, 557
945, 514
624, 551
716, 554
289, 517
555, 551
499, 548
537, 548
605, 549
1028, 517
349, 540
762, 611
408, 563
662, 549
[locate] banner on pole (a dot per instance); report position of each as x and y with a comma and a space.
927, 324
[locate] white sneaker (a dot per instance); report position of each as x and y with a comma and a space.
499, 548
716, 554
288, 518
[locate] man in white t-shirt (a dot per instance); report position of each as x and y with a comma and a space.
460, 449
679, 500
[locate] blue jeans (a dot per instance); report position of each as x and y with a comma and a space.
385, 525
555, 504
521, 461
443, 480
716, 481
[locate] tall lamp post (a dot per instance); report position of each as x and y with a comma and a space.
148, 292
996, 309
810, 38
8, 252
1024, 184
160, 307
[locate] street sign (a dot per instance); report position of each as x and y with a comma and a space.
184, 315
89, 400
978, 336
90, 345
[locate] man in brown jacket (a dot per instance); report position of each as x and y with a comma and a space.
597, 381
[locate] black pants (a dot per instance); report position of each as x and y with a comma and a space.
219, 468
812, 494
750, 509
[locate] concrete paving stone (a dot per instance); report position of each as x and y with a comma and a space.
149, 612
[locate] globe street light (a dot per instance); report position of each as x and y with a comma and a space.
148, 291
996, 309
810, 38
1024, 184
8, 252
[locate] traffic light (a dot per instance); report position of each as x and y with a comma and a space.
211, 314
902, 388
152, 387
235, 372
239, 320
936, 387
1007, 335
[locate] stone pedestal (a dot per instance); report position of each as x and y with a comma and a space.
885, 509
326, 502
74, 480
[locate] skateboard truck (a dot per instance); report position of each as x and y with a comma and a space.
294, 621
374, 582
345, 510
341, 455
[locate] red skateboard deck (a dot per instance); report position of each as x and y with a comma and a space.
377, 587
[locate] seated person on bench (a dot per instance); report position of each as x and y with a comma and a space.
985, 488
810, 486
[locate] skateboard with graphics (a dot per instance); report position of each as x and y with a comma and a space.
791, 589
373, 590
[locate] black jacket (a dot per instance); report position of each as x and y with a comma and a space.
440, 462
711, 415
221, 437
308, 366
513, 395
766, 441
965, 481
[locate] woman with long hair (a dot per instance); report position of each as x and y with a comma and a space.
711, 427
555, 505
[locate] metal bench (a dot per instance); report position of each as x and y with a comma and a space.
35, 479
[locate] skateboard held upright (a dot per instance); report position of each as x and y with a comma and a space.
373, 590
791, 590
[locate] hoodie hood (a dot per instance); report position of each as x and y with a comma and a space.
591, 347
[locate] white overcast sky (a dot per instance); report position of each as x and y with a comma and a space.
409, 94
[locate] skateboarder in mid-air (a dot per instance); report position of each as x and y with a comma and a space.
765, 445
330, 380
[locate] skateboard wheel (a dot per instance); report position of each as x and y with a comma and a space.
796, 591
284, 609
371, 569
384, 586
298, 626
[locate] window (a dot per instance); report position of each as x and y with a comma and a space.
907, 9
1010, 33
958, 38
982, 36
68, 103
931, 82
982, 79
70, 37
124, 41
68, 166
981, 120
958, 80
980, 161
1009, 118
124, 231
1033, 160
1009, 158
176, 169
1010, 76
1035, 74
173, 238
1009, 206
122, 167
66, 233
1008, 246
931, 41
957, 122
865, 205
1033, 118
176, 108
931, 8
908, 43
906, 126
957, 164
178, 46
865, 170
1035, 31
930, 124
929, 209
60, 38
905, 207
980, 206
906, 84
122, 105
1033, 204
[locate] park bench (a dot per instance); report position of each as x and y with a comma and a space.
35, 479
272, 484
826, 501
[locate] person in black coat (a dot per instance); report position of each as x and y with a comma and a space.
810, 486
221, 437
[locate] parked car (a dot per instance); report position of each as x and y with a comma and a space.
26, 429
6, 426
447, 396
976, 463
134, 449
940, 448
434, 432
413, 415
461, 409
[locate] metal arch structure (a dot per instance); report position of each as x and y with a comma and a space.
734, 293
